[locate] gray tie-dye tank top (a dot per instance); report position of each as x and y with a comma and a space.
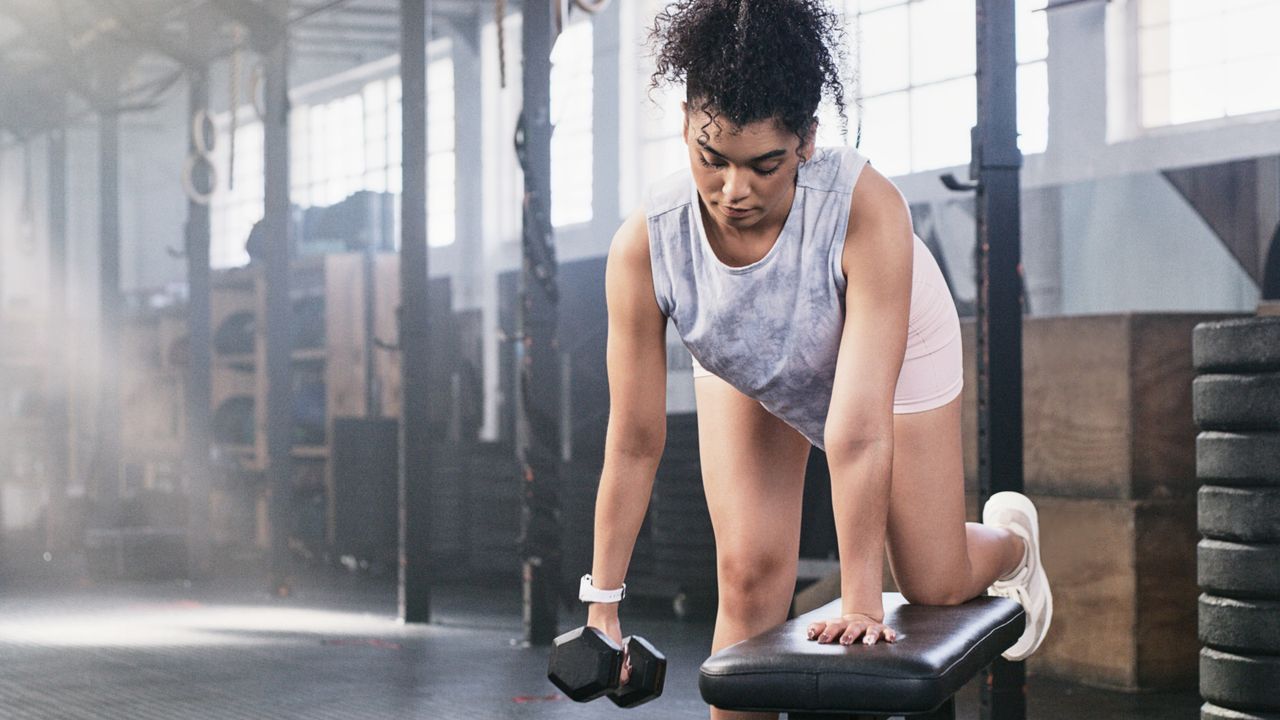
772, 328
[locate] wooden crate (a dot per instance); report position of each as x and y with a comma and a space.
1109, 459
1106, 406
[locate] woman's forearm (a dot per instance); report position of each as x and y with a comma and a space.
625, 486
860, 483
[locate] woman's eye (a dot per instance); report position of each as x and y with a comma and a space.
706, 163
768, 172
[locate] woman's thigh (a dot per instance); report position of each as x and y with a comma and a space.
753, 467
927, 542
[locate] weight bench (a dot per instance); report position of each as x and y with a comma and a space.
938, 650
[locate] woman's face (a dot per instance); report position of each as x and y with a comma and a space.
744, 174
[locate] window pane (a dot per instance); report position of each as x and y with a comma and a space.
1153, 12
941, 117
663, 157
441, 182
943, 40
1202, 60
1155, 100
869, 5
1153, 50
571, 112
299, 158
1252, 31
1033, 108
1253, 85
883, 41
1197, 94
1180, 10
1033, 30
829, 126
1196, 44
886, 136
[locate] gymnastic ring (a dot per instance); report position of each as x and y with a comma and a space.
257, 77
189, 183
204, 142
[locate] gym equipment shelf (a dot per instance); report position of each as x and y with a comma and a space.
333, 348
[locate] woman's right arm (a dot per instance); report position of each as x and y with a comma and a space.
637, 365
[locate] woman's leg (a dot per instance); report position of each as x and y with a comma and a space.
938, 558
753, 468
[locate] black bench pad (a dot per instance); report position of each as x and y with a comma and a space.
938, 650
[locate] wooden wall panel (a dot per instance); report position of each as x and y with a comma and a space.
386, 362
345, 336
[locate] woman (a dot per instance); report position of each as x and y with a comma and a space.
814, 316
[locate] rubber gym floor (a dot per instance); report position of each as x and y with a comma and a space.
225, 649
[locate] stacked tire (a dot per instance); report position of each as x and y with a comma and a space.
684, 548
1236, 398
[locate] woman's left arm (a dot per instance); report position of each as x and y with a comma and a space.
877, 261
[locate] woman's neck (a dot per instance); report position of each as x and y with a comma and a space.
744, 246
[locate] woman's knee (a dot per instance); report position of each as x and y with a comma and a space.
935, 593
752, 583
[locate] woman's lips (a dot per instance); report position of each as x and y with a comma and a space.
735, 212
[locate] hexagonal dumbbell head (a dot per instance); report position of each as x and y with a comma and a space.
648, 674
585, 664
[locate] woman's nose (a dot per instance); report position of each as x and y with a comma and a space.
736, 185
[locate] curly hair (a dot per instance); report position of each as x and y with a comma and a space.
751, 60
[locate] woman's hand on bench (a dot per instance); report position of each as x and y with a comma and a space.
848, 629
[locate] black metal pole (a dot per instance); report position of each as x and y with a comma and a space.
415, 461
999, 301
538, 394
59, 440
198, 389
278, 311
107, 461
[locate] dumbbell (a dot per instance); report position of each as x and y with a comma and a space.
585, 664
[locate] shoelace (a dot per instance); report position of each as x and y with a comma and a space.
1017, 593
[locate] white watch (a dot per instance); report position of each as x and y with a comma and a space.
588, 593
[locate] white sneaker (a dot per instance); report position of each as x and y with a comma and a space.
1028, 586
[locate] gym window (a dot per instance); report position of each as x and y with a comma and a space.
235, 207
572, 107
915, 62
650, 145
340, 145
572, 135
1198, 60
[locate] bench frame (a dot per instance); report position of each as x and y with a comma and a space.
945, 711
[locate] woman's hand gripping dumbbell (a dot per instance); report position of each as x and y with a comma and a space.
594, 660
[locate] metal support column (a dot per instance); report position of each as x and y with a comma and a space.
538, 353
60, 421
415, 461
198, 390
999, 302
279, 375
106, 461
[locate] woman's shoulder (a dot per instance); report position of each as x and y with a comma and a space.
832, 168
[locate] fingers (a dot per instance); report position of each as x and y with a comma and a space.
626, 668
872, 634
847, 632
